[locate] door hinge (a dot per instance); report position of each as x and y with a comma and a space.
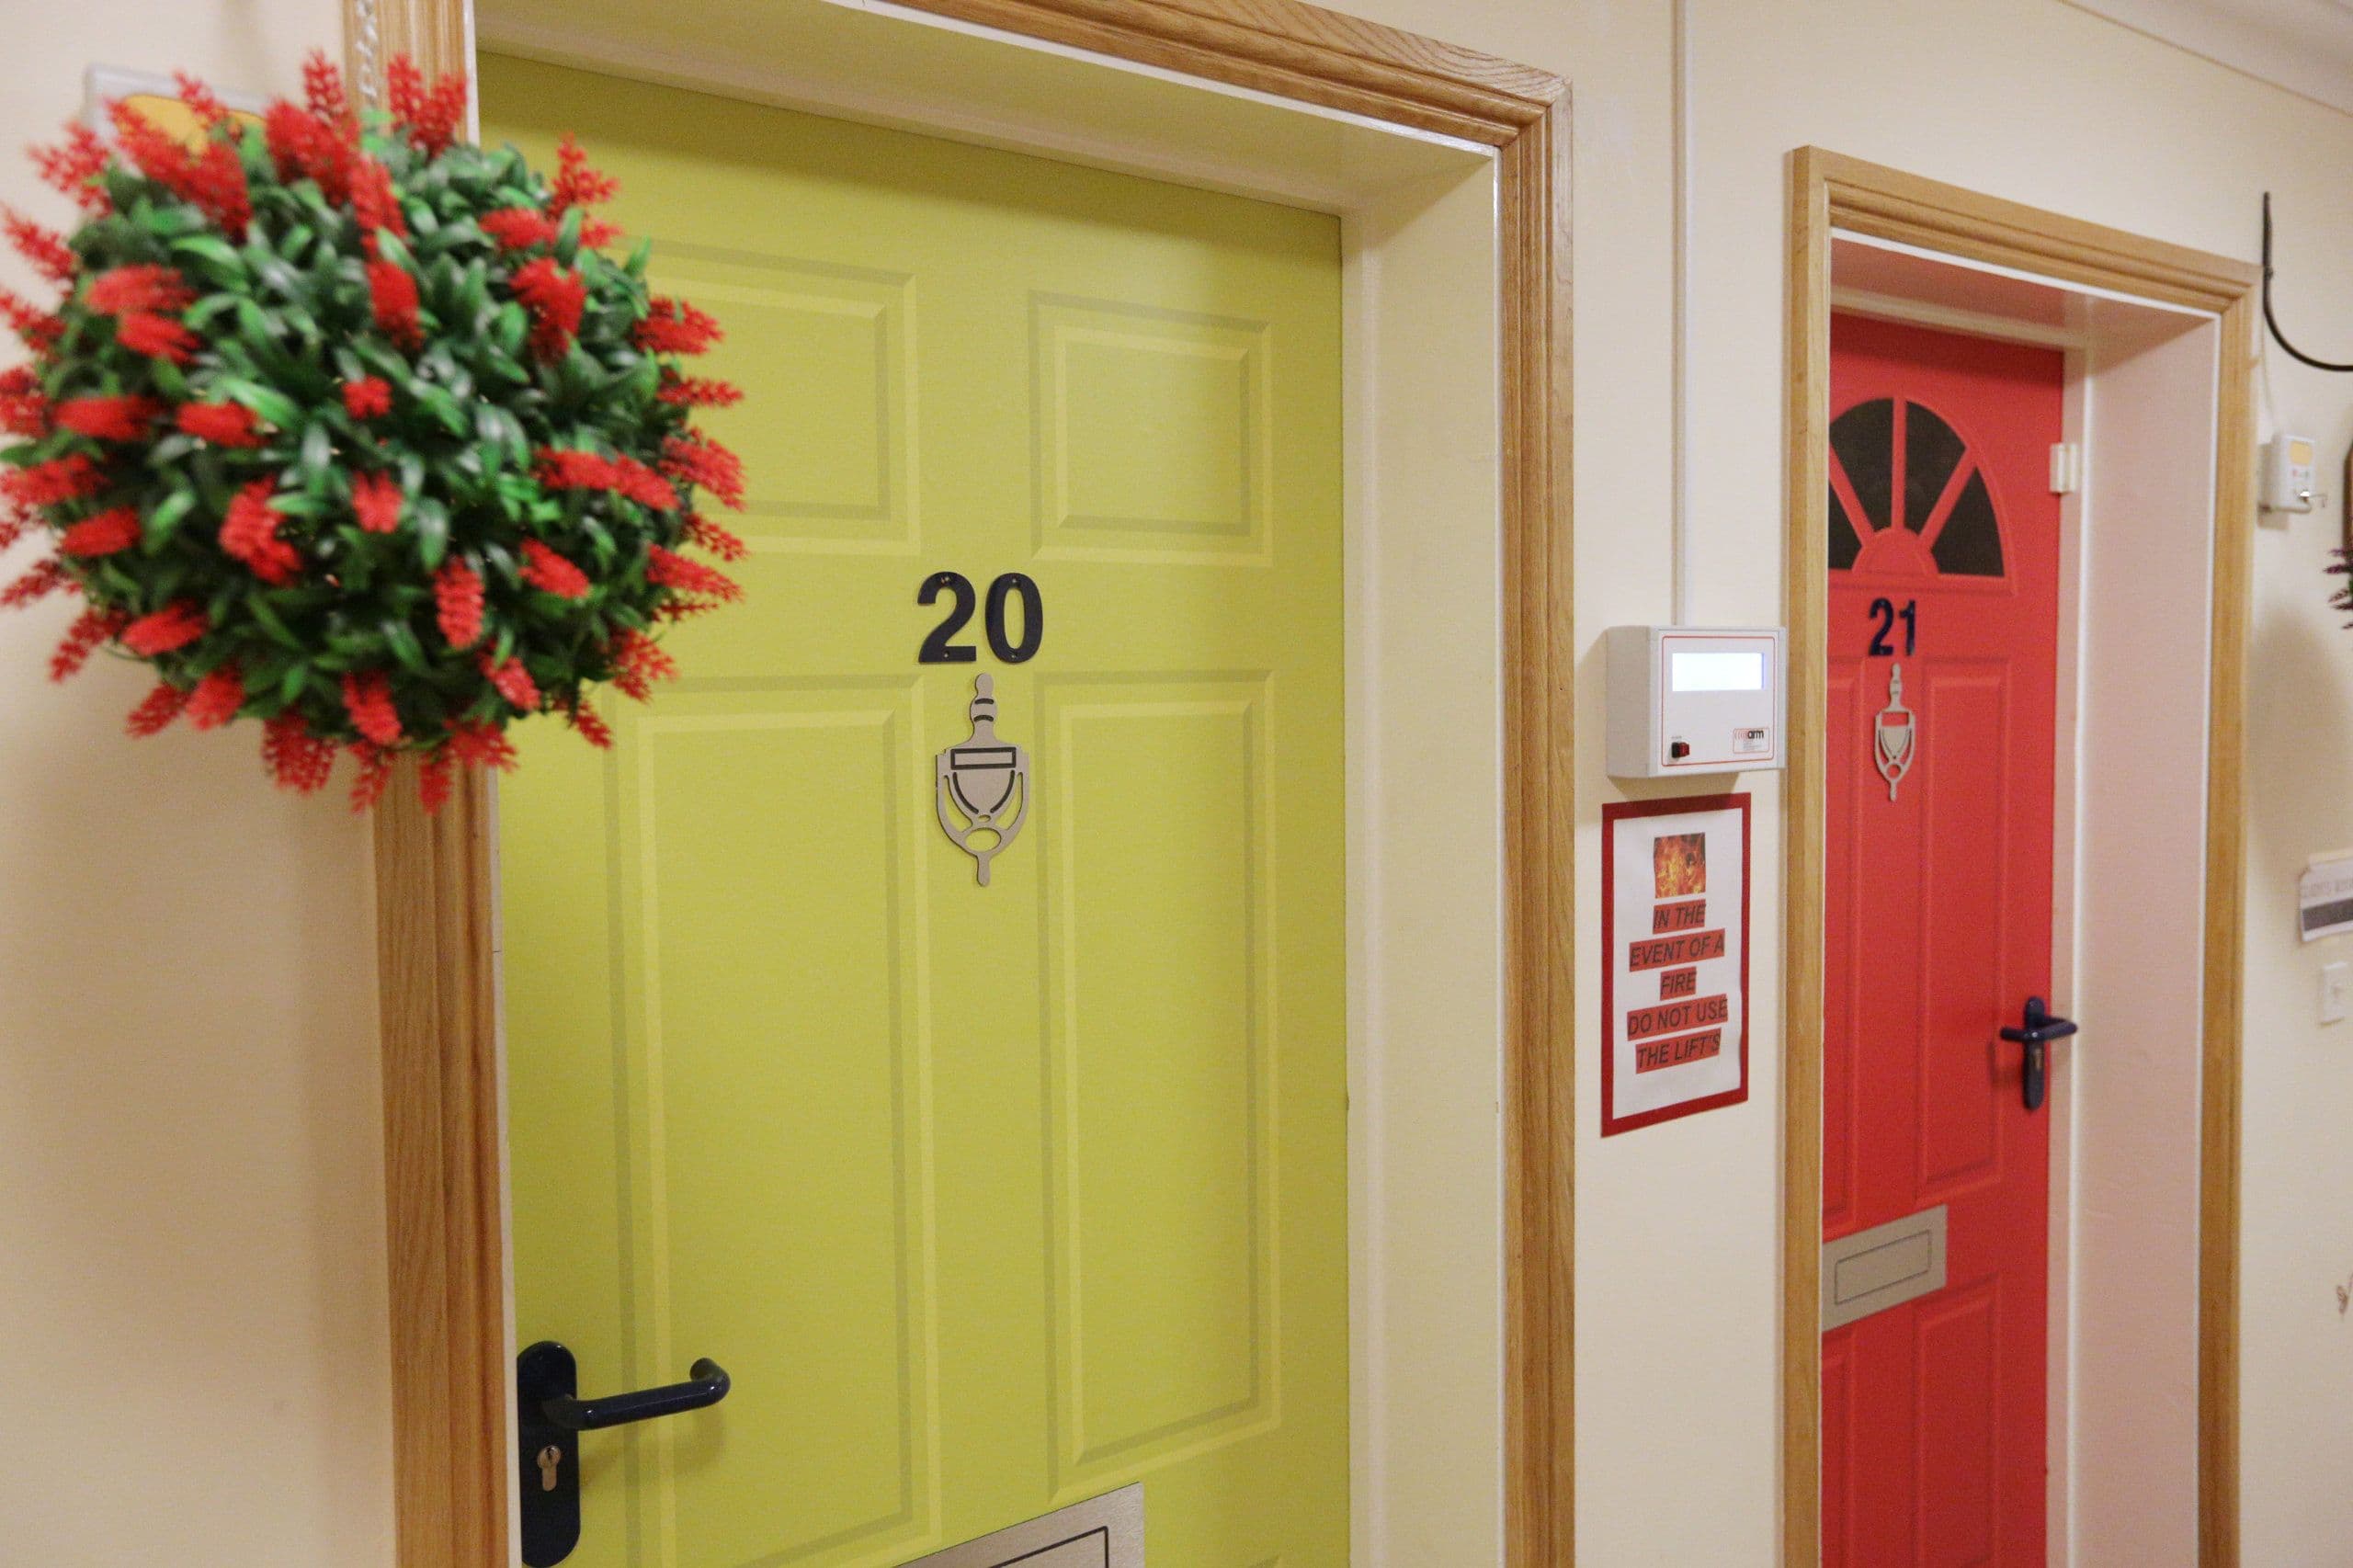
2066, 467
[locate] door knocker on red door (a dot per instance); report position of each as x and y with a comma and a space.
1895, 736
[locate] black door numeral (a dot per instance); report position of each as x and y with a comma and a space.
1888, 615
939, 649
1033, 617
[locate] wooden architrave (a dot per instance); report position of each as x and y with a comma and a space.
443, 1140
1829, 192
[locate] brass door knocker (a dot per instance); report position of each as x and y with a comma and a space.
979, 778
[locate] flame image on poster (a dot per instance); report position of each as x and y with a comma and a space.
1680, 864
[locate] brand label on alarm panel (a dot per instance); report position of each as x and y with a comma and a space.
1751, 743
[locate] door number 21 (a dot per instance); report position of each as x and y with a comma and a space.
940, 648
1887, 614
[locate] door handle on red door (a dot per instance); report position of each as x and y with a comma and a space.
2041, 1029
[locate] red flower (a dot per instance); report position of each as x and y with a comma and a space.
479, 745
210, 176
105, 534
122, 290
369, 397
695, 459
298, 760
37, 328
222, 424
368, 698
513, 681
374, 201
638, 663
44, 249
592, 726
157, 710
592, 471
666, 570
721, 541
554, 297
23, 410
75, 167
208, 109
159, 337
84, 637
457, 597
216, 699
699, 391
108, 418
69, 478
176, 625
575, 184
375, 773
673, 326
433, 782
376, 502
306, 147
431, 119
322, 89
46, 577
518, 228
393, 294
551, 573
250, 534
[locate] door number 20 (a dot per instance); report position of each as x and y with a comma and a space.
1885, 613
940, 648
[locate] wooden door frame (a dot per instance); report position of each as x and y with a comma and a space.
1830, 192
436, 922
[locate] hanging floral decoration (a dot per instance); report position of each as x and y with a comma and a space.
349, 427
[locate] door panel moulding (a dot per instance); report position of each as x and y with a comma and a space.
1841, 202
438, 930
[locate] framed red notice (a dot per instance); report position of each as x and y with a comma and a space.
1674, 959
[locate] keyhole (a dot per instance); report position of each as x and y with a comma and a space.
550, 1459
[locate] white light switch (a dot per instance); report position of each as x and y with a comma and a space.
2333, 979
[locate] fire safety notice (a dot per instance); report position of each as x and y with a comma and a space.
1674, 963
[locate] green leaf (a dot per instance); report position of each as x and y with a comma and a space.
441, 405
318, 454
273, 406
431, 521
403, 641
257, 606
164, 518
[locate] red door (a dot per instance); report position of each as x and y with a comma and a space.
1944, 566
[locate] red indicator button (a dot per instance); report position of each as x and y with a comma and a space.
1679, 750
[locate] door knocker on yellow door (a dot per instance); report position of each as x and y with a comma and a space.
978, 780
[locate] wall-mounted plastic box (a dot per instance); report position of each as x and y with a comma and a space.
1695, 699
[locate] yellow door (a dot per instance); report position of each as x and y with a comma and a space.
991, 1199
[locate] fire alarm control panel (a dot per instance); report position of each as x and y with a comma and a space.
1695, 700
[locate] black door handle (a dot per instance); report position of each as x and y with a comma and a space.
550, 1417
2041, 1029
706, 1385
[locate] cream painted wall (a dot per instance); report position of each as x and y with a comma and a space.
189, 1145
192, 1298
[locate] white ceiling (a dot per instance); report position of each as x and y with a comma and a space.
2305, 46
